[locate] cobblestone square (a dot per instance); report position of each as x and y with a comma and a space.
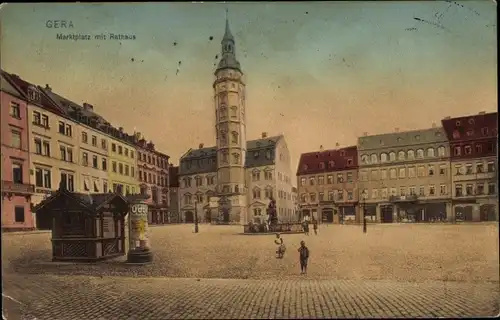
392, 271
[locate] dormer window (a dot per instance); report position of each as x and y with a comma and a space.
322, 165
484, 131
417, 137
456, 134
458, 123
342, 153
349, 162
471, 121
331, 163
470, 133
33, 94
305, 167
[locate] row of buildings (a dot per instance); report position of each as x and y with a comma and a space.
444, 172
48, 139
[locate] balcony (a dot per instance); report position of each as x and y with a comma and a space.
17, 188
409, 198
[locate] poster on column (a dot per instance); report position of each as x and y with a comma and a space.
139, 237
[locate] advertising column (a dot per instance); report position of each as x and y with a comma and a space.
139, 247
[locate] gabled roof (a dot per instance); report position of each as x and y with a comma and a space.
470, 128
328, 161
23, 86
9, 87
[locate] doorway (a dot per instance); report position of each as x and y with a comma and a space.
386, 214
189, 217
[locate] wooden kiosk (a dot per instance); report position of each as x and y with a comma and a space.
86, 227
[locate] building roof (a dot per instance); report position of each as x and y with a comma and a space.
23, 86
402, 139
328, 161
204, 160
472, 127
173, 172
228, 53
7, 86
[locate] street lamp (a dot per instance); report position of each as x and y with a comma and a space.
195, 216
364, 211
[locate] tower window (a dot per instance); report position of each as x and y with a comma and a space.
234, 111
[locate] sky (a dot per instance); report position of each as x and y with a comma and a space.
320, 73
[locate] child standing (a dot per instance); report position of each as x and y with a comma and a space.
303, 257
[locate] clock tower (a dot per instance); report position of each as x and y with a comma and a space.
230, 128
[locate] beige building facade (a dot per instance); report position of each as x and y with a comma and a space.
405, 176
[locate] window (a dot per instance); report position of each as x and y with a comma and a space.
411, 154
43, 178
491, 166
120, 169
15, 110
19, 214
421, 171
411, 172
469, 133
329, 179
120, 150
384, 193
442, 170
85, 159
104, 164
85, 138
421, 191
340, 178
68, 130
430, 170
402, 191
401, 155
468, 150
441, 151
131, 154
113, 147
17, 173
374, 194
373, 158
94, 141
312, 197
480, 188
469, 189
383, 157
442, 189
484, 131
432, 190
468, 168
37, 118
236, 158
126, 152
256, 176
349, 162
234, 111
492, 188
132, 173
340, 195
373, 175
45, 121
94, 162
479, 167
127, 170
392, 173
349, 195
321, 165
402, 173
269, 193
330, 196
211, 180
104, 144
412, 191
349, 177
256, 193
46, 148
365, 159
113, 166
69, 154
420, 153
393, 192
303, 198
459, 170
15, 141
38, 146
62, 127
458, 190
63, 153
430, 152
312, 181
383, 174
268, 175
392, 156
199, 181
457, 151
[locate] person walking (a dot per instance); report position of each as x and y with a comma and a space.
303, 257
306, 227
315, 226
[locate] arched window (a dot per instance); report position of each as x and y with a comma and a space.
411, 154
364, 159
420, 153
430, 152
383, 157
401, 155
373, 158
234, 137
441, 151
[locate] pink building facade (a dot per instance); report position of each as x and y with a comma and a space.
16, 189
154, 180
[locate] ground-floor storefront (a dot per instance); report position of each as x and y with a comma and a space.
331, 213
479, 209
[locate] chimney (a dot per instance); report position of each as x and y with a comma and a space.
447, 118
201, 145
88, 106
264, 135
482, 112
137, 136
365, 134
396, 129
321, 148
433, 124
48, 88
337, 144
